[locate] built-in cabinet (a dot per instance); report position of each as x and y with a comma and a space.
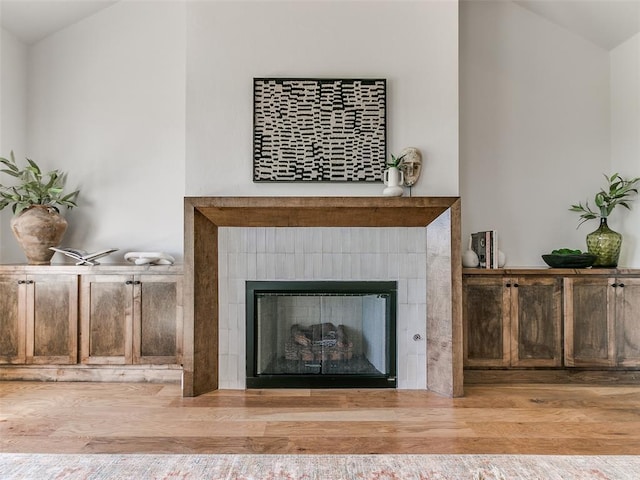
13, 323
551, 318
90, 315
487, 323
627, 321
602, 321
512, 321
131, 319
38, 318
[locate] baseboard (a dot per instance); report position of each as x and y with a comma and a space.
93, 373
564, 376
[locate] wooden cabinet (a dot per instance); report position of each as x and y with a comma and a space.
38, 318
512, 321
52, 323
486, 314
554, 324
628, 322
131, 319
536, 321
157, 330
93, 323
13, 323
589, 313
602, 320
107, 319
107, 315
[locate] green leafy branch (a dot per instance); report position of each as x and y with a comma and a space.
619, 192
33, 187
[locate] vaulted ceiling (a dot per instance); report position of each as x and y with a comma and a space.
606, 23
32, 20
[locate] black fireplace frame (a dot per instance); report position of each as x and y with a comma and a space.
388, 380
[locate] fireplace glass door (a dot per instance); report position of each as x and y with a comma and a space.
324, 334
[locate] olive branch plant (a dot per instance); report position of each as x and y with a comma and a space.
34, 187
619, 191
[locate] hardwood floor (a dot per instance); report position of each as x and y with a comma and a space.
127, 418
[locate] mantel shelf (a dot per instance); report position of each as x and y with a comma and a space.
321, 211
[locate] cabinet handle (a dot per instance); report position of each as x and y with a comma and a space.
621, 285
614, 285
129, 282
137, 282
21, 282
507, 285
516, 285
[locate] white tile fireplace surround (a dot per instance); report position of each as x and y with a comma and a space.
295, 253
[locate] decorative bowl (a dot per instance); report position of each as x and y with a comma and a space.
582, 260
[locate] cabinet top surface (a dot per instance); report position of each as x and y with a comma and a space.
562, 272
91, 269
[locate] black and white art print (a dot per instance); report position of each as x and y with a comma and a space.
319, 130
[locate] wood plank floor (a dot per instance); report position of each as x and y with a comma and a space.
127, 418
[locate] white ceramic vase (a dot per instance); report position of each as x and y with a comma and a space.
470, 259
394, 179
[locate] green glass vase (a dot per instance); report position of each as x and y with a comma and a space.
605, 244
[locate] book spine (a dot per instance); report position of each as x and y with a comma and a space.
478, 246
487, 243
494, 247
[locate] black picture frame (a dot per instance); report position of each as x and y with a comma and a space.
319, 130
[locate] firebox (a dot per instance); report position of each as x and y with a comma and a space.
321, 334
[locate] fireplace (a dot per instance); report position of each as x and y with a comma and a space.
203, 216
321, 334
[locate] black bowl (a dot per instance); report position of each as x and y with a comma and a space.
582, 260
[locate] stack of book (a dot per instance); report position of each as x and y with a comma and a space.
485, 244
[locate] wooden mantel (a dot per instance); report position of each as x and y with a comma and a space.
441, 216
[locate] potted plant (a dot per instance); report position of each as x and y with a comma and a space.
34, 199
604, 242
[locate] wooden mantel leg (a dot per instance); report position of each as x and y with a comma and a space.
444, 317
200, 361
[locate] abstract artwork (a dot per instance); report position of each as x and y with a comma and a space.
319, 130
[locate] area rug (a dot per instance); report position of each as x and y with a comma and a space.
317, 467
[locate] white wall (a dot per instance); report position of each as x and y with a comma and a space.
411, 44
625, 140
13, 124
107, 100
534, 128
107, 105
116, 100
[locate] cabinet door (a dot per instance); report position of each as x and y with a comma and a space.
52, 325
589, 312
486, 310
157, 332
12, 319
628, 321
106, 319
536, 322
